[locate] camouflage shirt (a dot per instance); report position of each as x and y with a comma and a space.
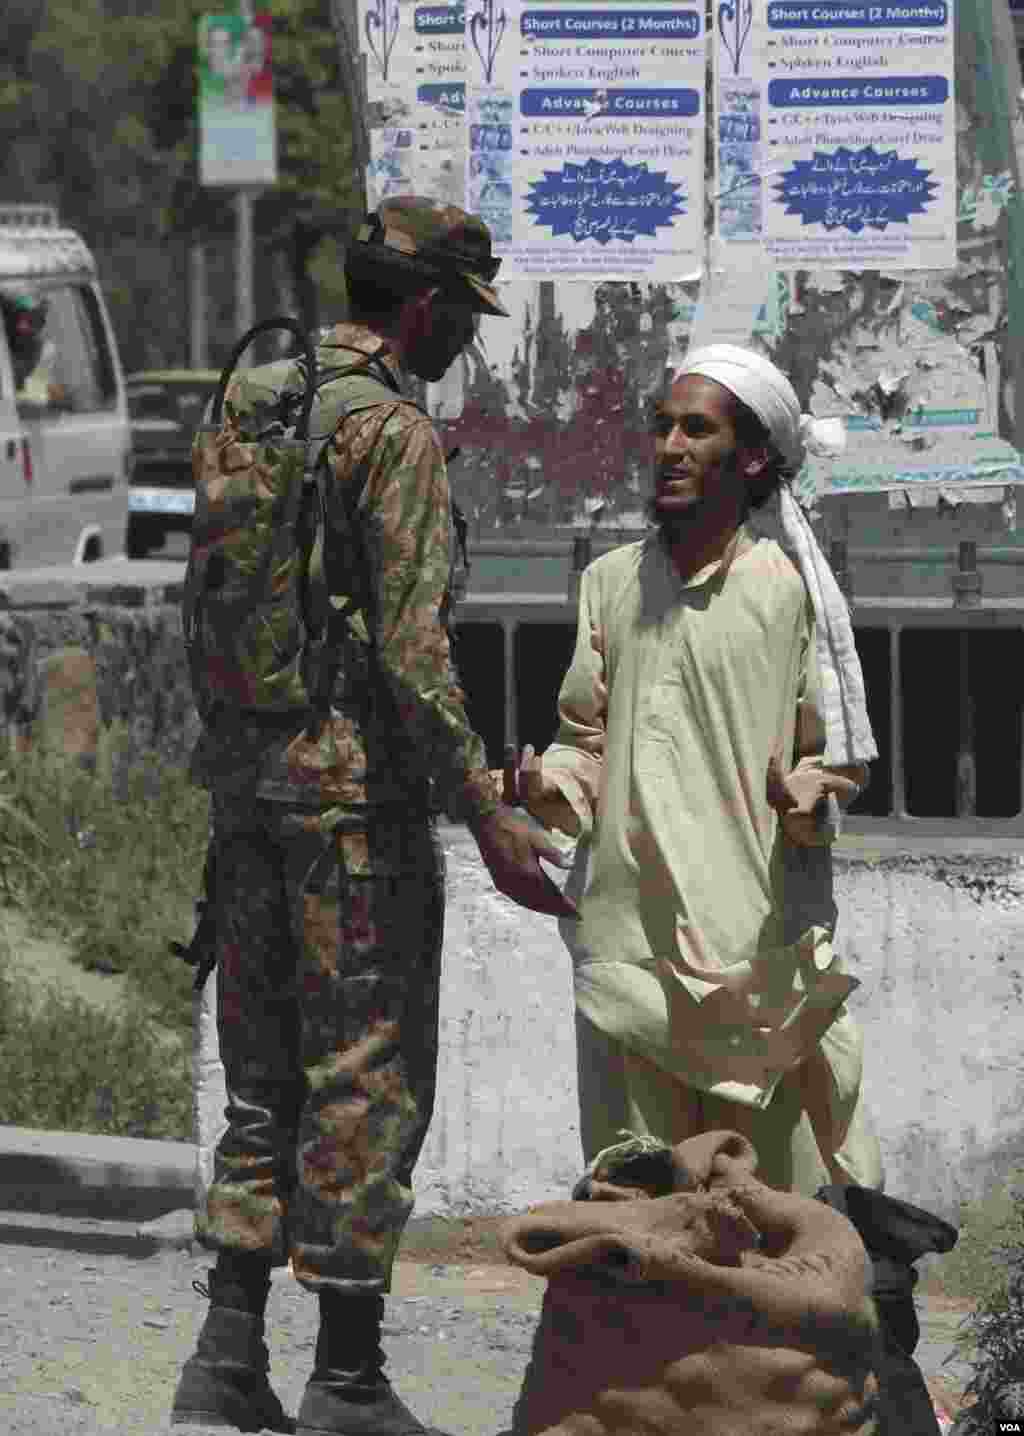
398, 732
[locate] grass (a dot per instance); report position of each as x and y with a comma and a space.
71, 1067
974, 1270
114, 877
992, 1337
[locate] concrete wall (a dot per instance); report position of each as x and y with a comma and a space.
938, 943
935, 940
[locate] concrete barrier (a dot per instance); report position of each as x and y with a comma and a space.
937, 940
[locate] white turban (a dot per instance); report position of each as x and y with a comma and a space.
766, 391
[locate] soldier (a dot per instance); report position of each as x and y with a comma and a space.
329, 890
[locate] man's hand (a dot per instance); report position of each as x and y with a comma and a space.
510, 849
801, 798
542, 798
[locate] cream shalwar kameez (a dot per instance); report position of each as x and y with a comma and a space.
707, 991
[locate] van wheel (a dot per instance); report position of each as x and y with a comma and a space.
140, 535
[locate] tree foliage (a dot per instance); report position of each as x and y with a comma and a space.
98, 116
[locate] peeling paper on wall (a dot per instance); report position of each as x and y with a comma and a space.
983, 203
946, 496
735, 304
1010, 508
917, 401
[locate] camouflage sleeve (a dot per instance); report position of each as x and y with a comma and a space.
405, 511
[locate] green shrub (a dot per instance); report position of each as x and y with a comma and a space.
995, 1331
72, 1067
114, 876
973, 1270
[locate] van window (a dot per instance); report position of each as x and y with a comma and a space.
62, 362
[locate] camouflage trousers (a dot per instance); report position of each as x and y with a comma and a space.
329, 964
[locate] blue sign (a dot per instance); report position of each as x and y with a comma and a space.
605, 200
445, 97
818, 94
440, 20
611, 25
844, 16
595, 104
855, 189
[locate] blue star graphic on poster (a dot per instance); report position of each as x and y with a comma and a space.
605, 200
856, 189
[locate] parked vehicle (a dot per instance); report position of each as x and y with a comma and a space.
64, 439
165, 406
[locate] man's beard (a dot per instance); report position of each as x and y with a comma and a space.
674, 525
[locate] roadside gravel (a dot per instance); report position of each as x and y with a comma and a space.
92, 1338
93, 1342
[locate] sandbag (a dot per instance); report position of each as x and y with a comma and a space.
695, 1301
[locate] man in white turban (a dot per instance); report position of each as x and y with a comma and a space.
712, 716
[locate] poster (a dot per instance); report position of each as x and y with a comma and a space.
236, 101
415, 75
739, 102
585, 126
835, 134
857, 149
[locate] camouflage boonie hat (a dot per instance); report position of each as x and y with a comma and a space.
438, 240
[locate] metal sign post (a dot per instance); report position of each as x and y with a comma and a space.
243, 264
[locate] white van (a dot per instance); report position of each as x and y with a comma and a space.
65, 449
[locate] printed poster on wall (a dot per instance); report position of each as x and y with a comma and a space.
857, 149
586, 136
415, 79
738, 106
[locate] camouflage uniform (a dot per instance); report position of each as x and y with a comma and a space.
330, 881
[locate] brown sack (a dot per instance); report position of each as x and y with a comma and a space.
721, 1308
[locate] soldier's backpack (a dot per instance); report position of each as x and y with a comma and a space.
257, 614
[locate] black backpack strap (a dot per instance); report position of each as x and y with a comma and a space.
322, 620
307, 364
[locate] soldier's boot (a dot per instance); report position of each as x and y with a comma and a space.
348, 1391
224, 1384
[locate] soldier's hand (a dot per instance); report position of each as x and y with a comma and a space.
542, 798
801, 798
510, 849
